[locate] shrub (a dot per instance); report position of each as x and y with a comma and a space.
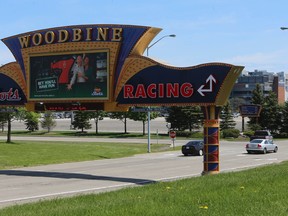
230, 133
248, 133
281, 135
189, 134
254, 127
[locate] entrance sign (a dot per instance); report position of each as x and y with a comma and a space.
157, 84
101, 67
119, 76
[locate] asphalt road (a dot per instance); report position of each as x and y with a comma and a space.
44, 182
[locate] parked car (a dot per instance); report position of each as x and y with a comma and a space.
58, 115
261, 146
67, 114
194, 147
261, 134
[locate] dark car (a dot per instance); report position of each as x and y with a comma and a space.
194, 147
262, 134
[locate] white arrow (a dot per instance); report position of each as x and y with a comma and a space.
209, 80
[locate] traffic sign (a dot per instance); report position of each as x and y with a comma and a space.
172, 134
251, 110
147, 109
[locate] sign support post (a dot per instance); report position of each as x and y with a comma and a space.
172, 134
148, 128
211, 140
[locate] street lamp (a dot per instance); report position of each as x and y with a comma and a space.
284, 28
172, 35
148, 113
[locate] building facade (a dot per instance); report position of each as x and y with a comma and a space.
247, 81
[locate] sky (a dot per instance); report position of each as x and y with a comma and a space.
239, 32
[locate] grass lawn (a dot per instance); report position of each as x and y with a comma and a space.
32, 153
256, 192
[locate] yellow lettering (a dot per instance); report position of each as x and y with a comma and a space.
117, 34
102, 34
37, 39
77, 34
24, 41
89, 34
63, 36
49, 37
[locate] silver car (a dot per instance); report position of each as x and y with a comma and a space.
261, 145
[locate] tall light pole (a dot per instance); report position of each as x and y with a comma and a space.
148, 113
172, 35
284, 28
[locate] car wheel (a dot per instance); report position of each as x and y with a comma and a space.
185, 154
249, 152
264, 151
275, 149
200, 153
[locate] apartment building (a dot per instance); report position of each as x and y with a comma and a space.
269, 81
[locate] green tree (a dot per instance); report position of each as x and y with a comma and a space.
122, 116
143, 117
257, 95
270, 117
32, 121
177, 118
284, 124
97, 115
257, 99
3, 121
235, 103
194, 117
187, 117
226, 118
81, 120
48, 121
6, 117
20, 114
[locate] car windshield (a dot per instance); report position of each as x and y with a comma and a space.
256, 141
193, 143
262, 133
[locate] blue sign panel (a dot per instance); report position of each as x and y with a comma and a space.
162, 85
10, 92
250, 110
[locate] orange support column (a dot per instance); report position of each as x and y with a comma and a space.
211, 141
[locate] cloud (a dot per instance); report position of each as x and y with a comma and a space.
273, 61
